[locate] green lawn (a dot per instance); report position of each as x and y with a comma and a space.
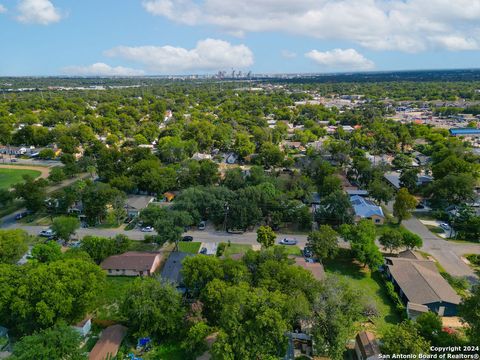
10, 177
110, 297
237, 249
189, 247
370, 285
291, 250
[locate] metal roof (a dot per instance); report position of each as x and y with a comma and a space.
365, 208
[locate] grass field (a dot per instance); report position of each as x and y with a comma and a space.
370, 286
109, 300
10, 177
189, 247
237, 249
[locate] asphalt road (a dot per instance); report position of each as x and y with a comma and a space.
447, 253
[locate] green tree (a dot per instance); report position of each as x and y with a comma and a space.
411, 240
65, 226
153, 308
60, 290
47, 252
266, 236
404, 204
33, 192
429, 326
195, 340
380, 191
335, 311
323, 243
404, 339
56, 175
99, 248
362, 239
469, 312
391, 239
335, 209
170, 225
58, 342
408, 179
13, 244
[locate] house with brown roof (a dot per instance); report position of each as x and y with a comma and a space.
315, 268
109, 343
132, 263
366, 346
420, 284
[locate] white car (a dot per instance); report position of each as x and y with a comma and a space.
287, 241
445, 226
47, 233
147, 229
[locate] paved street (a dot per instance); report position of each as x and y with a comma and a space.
447, 253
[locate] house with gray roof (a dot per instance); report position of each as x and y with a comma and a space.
367, 209
172, 270
420, 284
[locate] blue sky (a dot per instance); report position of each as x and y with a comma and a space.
135, 37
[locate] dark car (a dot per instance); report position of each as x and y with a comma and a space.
22, 215
187, 238
203, 251
307, 252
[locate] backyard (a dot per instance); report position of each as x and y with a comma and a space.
369, 284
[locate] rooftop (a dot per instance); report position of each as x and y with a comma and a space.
132, 260
314, 267
172, 269
365, 208
421, 281
108, 344
465, 131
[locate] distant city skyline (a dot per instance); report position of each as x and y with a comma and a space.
176, 37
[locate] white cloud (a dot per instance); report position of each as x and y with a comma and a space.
405, 25
41, 12
341, 59
3, 9
287, 54
209, 54
101, 69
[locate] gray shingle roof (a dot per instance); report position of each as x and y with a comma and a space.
172, 269
421, 282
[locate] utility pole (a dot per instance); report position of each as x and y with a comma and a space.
225, 209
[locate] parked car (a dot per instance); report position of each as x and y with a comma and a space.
13, 160
287, 241
202, 225
49, 233
307, 252
445, 226
235, 231
203, 251
187, 238
22, 215
147, 229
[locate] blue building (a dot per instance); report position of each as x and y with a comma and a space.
473, 132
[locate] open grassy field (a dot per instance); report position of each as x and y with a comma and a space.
9, 177
369, 284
